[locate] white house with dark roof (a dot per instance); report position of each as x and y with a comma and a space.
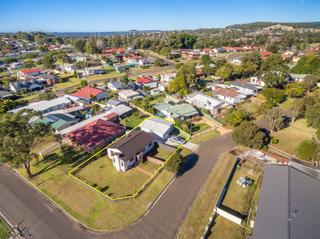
130, 149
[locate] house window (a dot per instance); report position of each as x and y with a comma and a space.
122, 164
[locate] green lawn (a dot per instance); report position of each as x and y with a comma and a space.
237, 197
149, 166
197, 128
91, 208
291, 137
102, 175
4, 230
75, 82
199, 215
161, 153
45, 142
223, 228
199, 139
134, 120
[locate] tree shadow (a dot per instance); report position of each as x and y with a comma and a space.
69, 156
188, 163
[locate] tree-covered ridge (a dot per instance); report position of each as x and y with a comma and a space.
257, 25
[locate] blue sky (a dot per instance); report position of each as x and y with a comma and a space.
119, 15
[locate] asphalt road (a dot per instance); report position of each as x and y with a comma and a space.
18, 201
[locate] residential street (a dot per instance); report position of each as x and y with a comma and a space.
18, 201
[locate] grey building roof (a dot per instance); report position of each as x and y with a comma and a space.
156, 125
120, 110
5, 94
243, 85
132, 143
113, 103
289, 204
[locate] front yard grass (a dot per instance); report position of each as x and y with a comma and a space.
290, 138
134, 120
237, 197
198, 217
101, 174
197, 128
223, 228
89, 207
161, 153
202, 138
149, 166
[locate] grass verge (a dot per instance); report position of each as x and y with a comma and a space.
198, 217
202, 138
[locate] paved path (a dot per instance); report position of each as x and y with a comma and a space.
193, 147
19, 201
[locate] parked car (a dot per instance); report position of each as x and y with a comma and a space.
245, 182
176, 139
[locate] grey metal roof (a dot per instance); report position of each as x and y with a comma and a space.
243, 85
288, 205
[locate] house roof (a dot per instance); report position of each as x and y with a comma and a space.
289, 203
128, 93
156, 125
243, 85
95, 133
113, 102
56, 121
116, 84
132, 144
88, 92
205, 99
47, 104
144, 80
31, 70
4, 94
226, 92
120, 109
177, 111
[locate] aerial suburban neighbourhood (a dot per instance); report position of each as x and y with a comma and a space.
205, 127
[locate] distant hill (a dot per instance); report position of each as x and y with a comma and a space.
89, 34
258, 25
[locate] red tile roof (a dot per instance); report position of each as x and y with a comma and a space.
226, 92
144, 80
31, 70
265, 54
98, 133
88, 92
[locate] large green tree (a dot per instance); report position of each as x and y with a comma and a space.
185, 80
174, 163
250, 135
275, 119
235, 116
309, 64
18, 137
274, 96
313, 115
